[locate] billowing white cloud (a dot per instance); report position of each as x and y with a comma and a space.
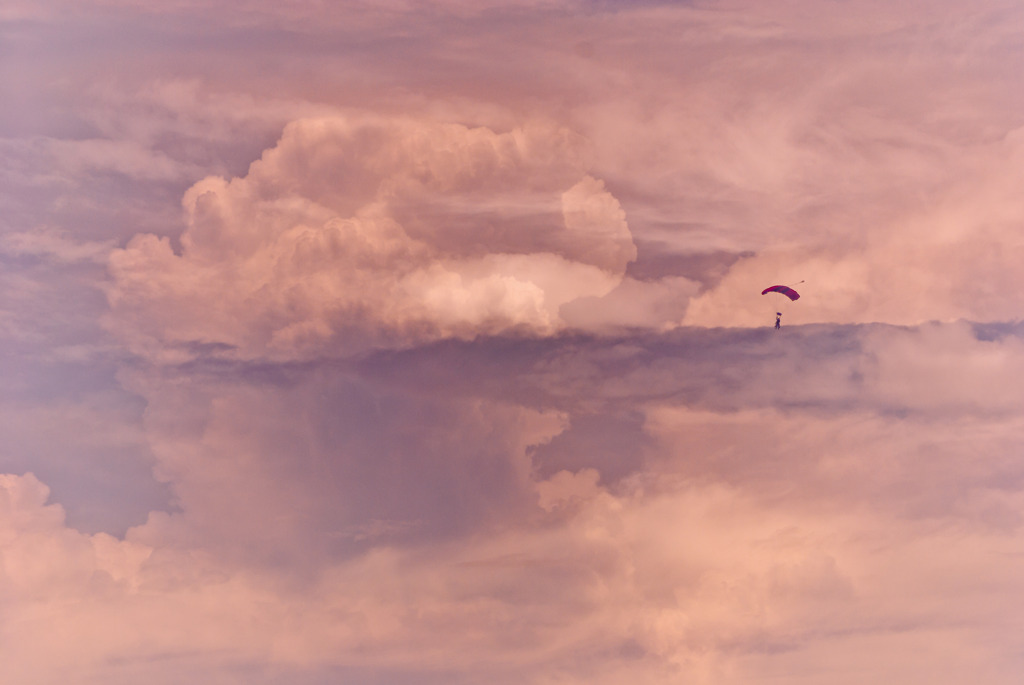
377, 232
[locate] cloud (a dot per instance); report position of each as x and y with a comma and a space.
353, 233
83, 157
825, 368
888, 197
414, 381
666, 576
334, 465
950, 369
53, 244
370, 451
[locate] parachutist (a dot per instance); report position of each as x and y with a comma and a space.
786, 291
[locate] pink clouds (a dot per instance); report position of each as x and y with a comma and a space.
666, 577
454, 367
951, 255
354, 232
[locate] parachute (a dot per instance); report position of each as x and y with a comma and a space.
784, 290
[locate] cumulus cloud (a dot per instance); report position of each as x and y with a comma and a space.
378, 232
666, 576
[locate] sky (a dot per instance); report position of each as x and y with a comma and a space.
394, 343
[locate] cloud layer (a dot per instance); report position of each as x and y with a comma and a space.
777, 510
424, 343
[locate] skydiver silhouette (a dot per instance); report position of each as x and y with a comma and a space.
778, 320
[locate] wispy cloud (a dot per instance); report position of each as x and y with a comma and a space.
54, 244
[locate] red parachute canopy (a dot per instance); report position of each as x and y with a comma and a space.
784, 289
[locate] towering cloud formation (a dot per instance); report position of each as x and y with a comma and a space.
357, 232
